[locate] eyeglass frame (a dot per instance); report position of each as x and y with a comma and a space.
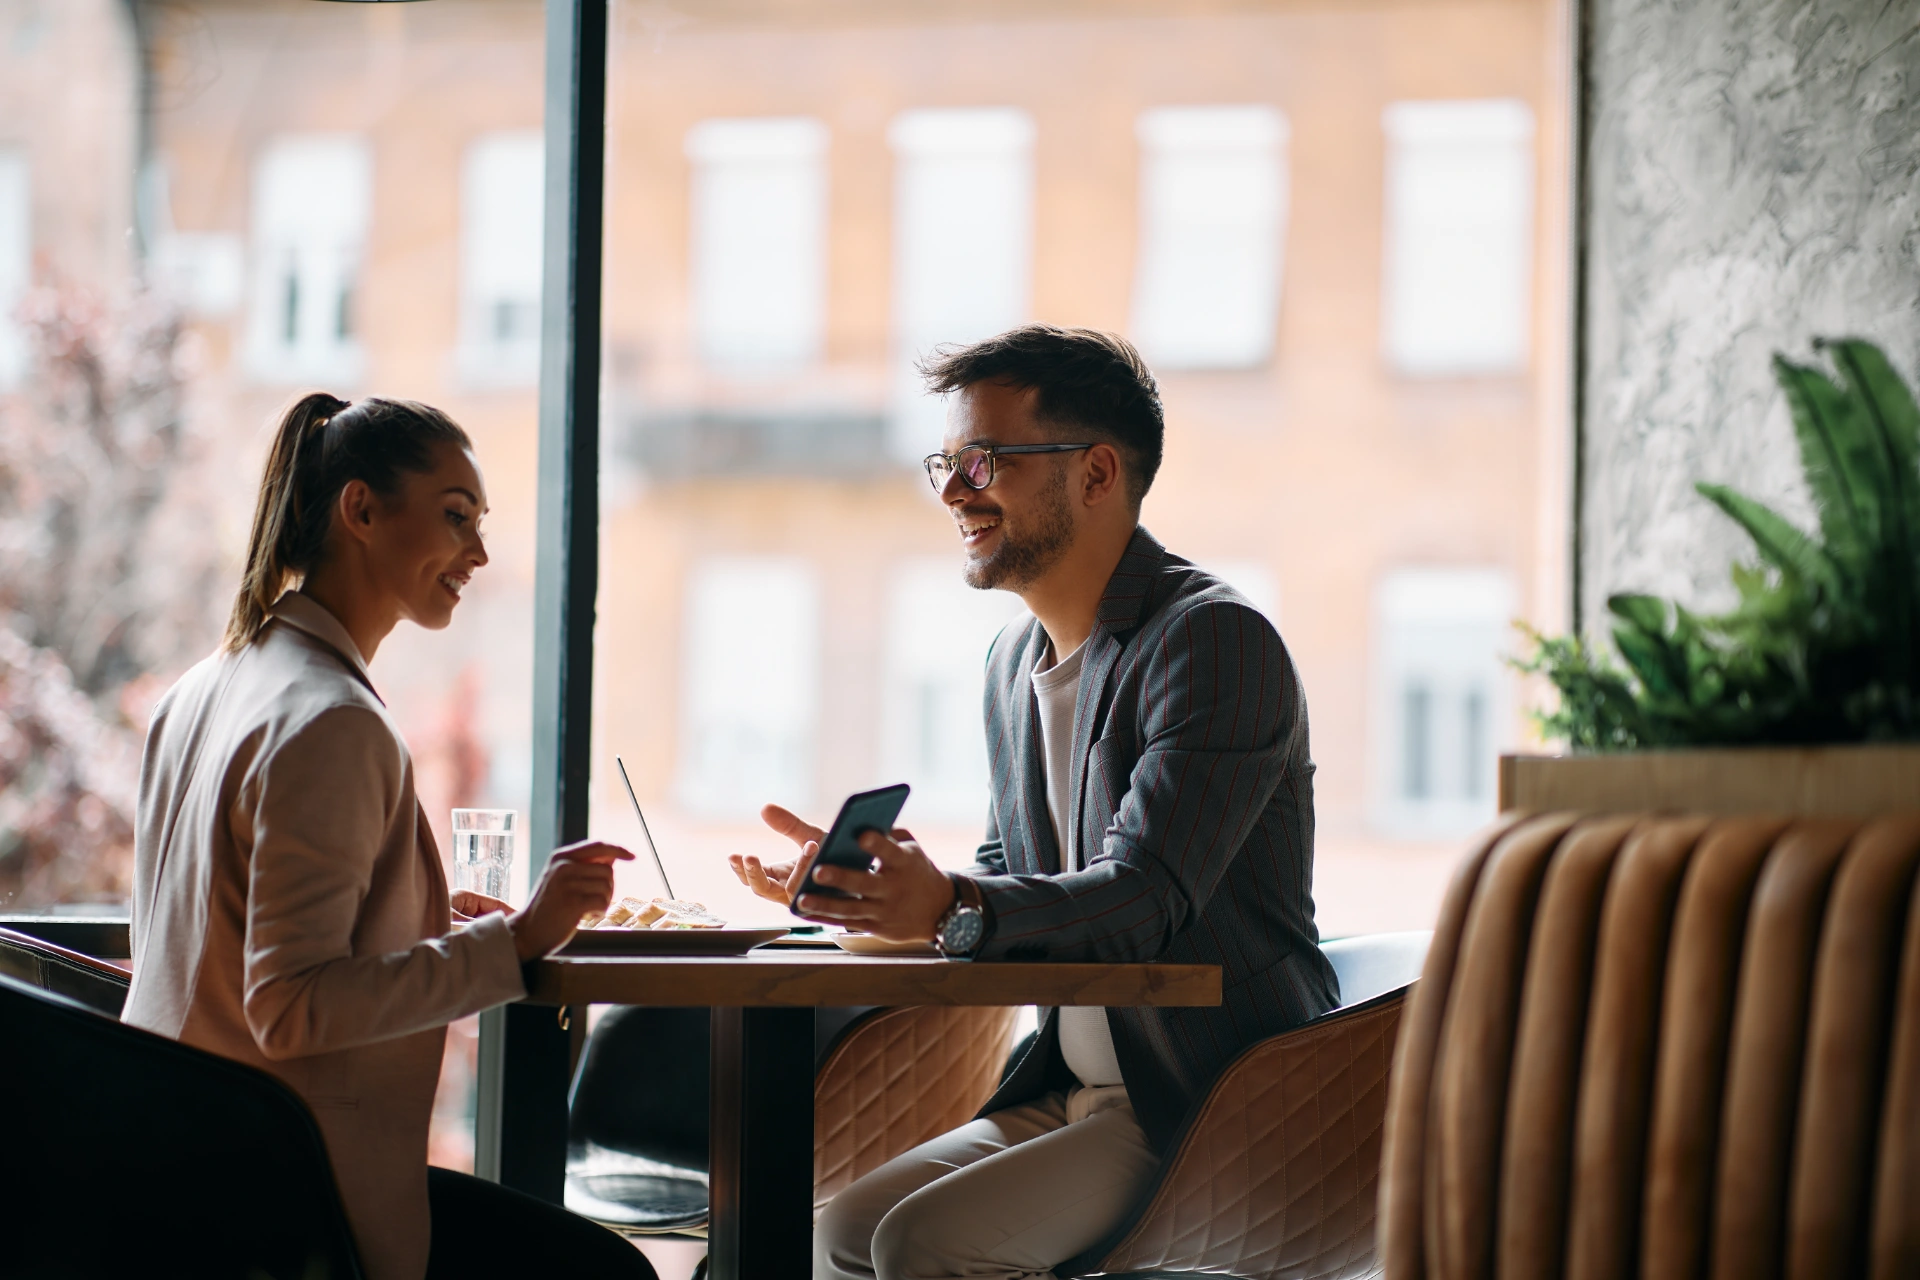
993, 451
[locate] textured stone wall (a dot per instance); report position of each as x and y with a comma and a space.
1753, 181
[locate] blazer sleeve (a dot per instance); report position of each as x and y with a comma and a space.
1219, 718
322, 807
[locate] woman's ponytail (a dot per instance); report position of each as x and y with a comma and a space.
322, 442
277, 516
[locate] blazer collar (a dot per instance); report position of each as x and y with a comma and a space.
306, 614
1131, 586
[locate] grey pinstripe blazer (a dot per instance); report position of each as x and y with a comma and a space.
1193, 796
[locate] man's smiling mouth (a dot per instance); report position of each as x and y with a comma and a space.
975, 529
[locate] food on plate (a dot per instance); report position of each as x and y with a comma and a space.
655, 913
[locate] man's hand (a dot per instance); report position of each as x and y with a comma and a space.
775, 881
900, 900
469, 906
578, 879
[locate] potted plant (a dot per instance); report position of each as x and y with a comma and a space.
1767, 705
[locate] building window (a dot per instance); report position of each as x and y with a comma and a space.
1459, 236
932, 733
1251, 579
1213, 210
759, 251
962, 246
1441, 695
751, 671
502, 192
312, 197
16, 263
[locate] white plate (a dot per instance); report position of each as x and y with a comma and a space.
667, 942
865, 944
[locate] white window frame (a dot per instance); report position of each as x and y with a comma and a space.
750, 684
962, 246
16, 261
1441, 631
932, 732
1457, 295
502, 209
1213, 219
758, 251
312, 208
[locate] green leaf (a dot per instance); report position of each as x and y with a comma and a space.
1648, 613
1839, 460
1780, 544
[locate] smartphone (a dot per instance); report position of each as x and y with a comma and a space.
864, 811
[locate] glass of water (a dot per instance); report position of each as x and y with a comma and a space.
483, 850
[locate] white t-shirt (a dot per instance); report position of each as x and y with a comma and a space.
1086, 1040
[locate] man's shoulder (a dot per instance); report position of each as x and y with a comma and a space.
1188, 601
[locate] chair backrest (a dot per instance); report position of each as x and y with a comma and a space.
898, 1078
127, 1151
1666, 1046
94, 983
1373, 964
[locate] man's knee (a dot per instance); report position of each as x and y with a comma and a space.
843, 1232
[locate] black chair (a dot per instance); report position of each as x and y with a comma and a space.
128, 1152
94, 983
637, 1140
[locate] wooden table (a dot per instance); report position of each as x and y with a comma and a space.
760, 1172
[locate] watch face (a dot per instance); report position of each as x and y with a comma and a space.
962, 931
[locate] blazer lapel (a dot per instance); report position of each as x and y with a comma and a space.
1128, 596
1029, 763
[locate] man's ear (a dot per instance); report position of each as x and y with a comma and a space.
1103, 480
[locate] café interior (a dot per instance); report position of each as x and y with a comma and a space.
1598, 315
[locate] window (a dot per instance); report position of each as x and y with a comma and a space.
502, 194
1213, 209
963, 244
938, 632
1251, 579
1459, 236
1440, 697
312, 196
759, 243
16, 262
751, 677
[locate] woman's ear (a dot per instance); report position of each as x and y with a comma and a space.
356, 510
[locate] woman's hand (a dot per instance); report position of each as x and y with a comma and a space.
776, 881
578, 880
469, 906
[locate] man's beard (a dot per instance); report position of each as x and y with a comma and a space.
1023, 557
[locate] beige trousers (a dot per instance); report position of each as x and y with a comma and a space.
1003, 1198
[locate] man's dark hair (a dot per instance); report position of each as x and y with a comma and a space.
1088, 382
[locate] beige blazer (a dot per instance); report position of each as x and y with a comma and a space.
290, 910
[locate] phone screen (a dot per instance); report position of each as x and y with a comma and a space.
864, 811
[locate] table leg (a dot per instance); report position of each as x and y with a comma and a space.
760, 1170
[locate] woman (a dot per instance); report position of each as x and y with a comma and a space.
290, 910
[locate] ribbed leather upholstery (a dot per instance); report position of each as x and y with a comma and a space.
897, 1079
1664, 1046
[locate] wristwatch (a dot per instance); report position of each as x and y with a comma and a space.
964, 926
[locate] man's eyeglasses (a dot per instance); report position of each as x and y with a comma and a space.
974, 464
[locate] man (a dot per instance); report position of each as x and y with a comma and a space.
1152, 800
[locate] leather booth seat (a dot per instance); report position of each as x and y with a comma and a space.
1664, 1046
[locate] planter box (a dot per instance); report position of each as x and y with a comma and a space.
1846, 782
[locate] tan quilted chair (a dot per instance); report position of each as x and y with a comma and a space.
898, 1078
1664, 1046
1276, 1173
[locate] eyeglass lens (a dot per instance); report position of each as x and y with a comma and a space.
974, 464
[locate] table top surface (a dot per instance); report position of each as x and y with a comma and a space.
828, 978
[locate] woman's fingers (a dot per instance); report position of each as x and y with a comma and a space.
590, 851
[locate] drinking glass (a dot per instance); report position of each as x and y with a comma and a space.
483, 850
